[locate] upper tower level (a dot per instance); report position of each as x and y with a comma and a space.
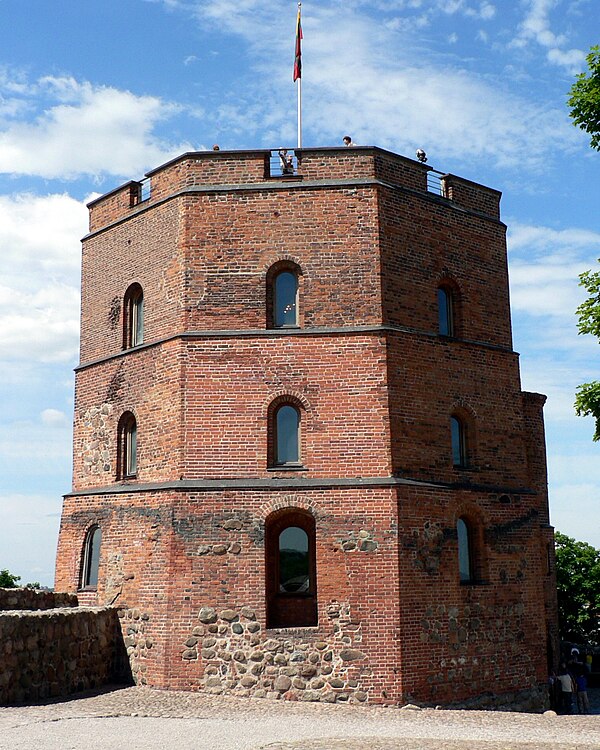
226, 170
370, 234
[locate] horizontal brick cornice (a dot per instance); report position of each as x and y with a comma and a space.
276, 484
286, 185
377, 330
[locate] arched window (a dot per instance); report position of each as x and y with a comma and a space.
445, 300
127, 447
133, 317
91, 558
465, 552
286, 434
290, 570
458, 434
285, 299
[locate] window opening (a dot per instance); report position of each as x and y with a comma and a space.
134, 317
287, 438
290, 569
459, 445
127, 447
445, 312
285, 300
91, 558
464, 552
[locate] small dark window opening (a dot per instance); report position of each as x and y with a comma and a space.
127, 447
91, 558
445, 311
465, 558
287, 435
285, 300
458, 435
133, 319
291, 570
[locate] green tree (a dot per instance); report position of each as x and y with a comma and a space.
578, 585
584, 99
587, 399
8, 580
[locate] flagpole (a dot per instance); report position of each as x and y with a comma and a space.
299, 82
299, 112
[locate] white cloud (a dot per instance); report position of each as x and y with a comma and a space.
377, 84
39, 291
545, 264
82, 129
54, 418
536, 27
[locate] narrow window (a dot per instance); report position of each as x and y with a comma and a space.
464, 552
91, 558
285, 300
290, 572
287, 435
459, 442
445, 312
127, 447
133, 321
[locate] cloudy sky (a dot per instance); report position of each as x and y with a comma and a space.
95, 93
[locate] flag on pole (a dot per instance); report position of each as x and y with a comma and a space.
298, 57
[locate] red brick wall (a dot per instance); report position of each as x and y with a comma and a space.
188, 566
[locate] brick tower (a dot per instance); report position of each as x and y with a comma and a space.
303, 463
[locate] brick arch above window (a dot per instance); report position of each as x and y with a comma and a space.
290, 502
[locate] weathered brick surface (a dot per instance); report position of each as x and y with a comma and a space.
183, 543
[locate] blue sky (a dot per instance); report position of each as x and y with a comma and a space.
95, 93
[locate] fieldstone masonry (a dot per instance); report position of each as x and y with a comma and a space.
239, 658
57, 649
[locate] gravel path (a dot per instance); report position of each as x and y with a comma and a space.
153, 719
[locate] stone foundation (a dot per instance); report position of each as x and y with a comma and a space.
239, 657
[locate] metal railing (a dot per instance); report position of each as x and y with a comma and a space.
434, 182
283, 162
145, 189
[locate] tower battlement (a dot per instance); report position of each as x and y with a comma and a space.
219, 171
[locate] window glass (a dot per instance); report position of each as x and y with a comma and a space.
285, 294
131, 449
464, 552
287, 427
445, 322
92, 558
458, 442
137, 319
294, 573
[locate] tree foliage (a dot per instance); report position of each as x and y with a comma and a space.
587, 399
584, 99
578, 585
8, 580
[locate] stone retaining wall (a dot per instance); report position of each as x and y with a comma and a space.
55, 652
33, 599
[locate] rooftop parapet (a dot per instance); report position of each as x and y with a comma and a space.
223, 170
